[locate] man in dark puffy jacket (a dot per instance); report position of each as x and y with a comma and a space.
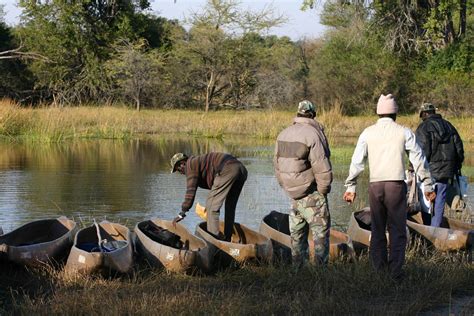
444, 152
304, 171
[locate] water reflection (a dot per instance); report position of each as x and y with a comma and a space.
130, 181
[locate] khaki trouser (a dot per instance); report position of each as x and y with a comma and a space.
310, 213
227, 186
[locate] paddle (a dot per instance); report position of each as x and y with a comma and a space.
99, 238
201, 211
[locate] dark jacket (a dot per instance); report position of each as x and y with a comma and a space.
441, 145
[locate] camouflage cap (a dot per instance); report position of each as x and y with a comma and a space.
427, 107
175, 159
306, 106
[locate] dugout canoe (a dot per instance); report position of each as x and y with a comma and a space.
359, 229
104, 247
456, 224
189, 253
449, 237
42, 241
245, 245
275, 225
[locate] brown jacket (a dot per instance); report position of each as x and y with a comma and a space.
200, 172
301, 159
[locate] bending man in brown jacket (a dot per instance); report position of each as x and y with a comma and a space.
303, 170
220, 173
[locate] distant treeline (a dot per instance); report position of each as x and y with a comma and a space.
117, 52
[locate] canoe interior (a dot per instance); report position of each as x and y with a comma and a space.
171, 247
363, 219
278, 221
245, 245
88, 240
164, 233
360, 230
37, 232
240, 235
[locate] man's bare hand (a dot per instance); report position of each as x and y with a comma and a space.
349, 197
430, 196
178, 218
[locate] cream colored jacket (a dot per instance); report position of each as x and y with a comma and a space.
385, 144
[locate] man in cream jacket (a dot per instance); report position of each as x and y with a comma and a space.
385, 144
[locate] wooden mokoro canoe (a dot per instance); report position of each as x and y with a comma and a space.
275, 225
101, 247
451, 237
193, 252
456, 224
359, 229
245, 245
42, 241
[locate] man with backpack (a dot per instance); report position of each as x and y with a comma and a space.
444, 152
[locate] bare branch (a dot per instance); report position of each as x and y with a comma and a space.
16, 53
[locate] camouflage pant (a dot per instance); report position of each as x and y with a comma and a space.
310, 215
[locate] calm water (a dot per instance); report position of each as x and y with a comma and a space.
129, 181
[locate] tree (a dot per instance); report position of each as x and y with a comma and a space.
411, 26
76, 37
282, 74
135, 71
217, 49
16, 80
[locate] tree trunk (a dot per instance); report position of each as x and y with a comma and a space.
449, 32
137, 102
462, 17
304, 69
207, 99
209, 90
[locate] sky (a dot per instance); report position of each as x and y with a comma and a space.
300, 24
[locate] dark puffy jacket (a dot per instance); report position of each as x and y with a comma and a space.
441, 145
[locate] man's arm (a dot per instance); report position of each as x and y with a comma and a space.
321, 164
459, 146
275, 165
424, 140
418, 160
357, 163
191, 186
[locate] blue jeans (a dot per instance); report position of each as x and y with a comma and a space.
441, 188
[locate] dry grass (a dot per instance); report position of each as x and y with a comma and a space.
342, 288
56, 124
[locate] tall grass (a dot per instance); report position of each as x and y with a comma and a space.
57, 124
433, 279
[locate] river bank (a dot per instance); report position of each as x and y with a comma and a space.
432, 280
